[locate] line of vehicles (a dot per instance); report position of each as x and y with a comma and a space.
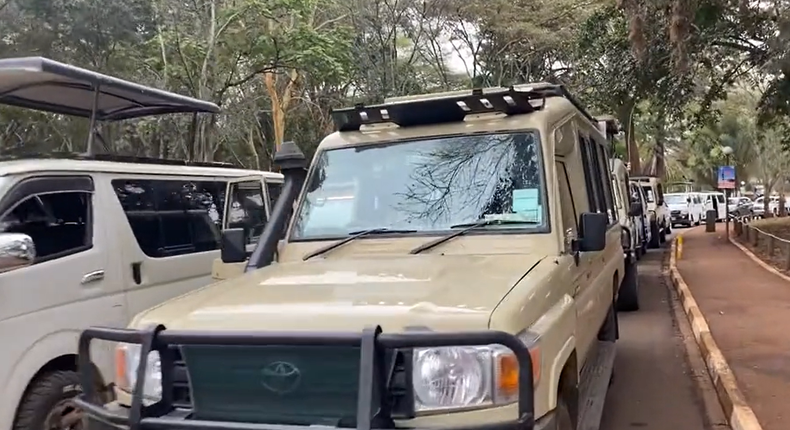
452, 260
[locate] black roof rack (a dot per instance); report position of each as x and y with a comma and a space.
117, 159
451, 108
46, 85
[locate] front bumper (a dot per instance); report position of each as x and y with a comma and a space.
372, 410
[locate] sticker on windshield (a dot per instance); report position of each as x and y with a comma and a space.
526, 202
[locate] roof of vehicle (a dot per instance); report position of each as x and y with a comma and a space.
527, 106
16, 167
46, 85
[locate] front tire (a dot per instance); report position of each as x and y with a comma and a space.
47, 404
564, 420
654, 233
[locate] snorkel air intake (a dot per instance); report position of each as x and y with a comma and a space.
293, 165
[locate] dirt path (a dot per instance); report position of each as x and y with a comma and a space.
748, 310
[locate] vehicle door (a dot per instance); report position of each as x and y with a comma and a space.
247, 206
596, 295
171, 235
69, 284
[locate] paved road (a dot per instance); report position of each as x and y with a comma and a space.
654, 387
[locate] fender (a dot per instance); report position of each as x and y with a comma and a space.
556, 369
37, 355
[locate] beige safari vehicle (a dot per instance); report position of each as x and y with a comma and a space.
453, 261
657, 209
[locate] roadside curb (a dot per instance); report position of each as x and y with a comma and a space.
739, 414
759, 261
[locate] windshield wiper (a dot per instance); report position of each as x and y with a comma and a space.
467, 228
352, 235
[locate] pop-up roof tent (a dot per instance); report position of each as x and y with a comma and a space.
46, 85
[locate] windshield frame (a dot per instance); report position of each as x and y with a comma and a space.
544, 228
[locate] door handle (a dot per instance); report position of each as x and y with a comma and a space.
137, 275
96, 275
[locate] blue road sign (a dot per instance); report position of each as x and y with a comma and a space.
727, 177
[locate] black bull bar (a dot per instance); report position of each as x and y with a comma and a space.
371, 342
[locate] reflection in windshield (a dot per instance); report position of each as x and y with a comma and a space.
425, 185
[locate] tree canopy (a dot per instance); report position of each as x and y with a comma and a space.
684, 77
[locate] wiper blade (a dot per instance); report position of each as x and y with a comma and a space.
467, 227
353, 235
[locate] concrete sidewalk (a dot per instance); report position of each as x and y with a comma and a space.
748, 311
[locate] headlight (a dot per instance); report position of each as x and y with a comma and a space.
127, 359
469, 377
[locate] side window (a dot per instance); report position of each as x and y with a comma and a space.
247, 209
590, 168
59, 223
274, 189
172, 217
606, 173
567, 204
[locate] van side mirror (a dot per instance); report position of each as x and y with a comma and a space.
16, 251
636, 209
593, 226
233, 245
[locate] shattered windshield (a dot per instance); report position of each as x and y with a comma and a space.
426, 185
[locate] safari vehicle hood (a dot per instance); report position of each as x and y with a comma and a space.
437, 291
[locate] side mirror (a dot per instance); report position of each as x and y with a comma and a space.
233, 246
636, 209
593, 231
16, 251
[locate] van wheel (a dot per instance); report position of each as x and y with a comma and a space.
654, 240
564, 420
48, 405
628, 297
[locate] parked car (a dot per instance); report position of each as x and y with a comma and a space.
94, 240
684, 208
638, 196
657, 208
627, 211
758, 206
714, 200
739, 206
423, 284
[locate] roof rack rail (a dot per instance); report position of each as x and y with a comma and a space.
436, 110
117, 159
453, 107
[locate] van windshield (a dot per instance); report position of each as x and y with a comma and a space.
675, 199
425, 185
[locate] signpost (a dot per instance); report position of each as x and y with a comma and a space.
727, 183
727, 177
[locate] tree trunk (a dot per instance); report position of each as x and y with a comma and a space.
626, 117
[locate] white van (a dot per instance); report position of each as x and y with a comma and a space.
714, 200
88, 242
685, 208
